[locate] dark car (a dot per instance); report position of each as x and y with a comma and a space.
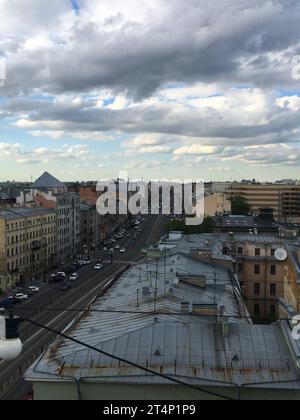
8, 303
65, 287
57, 279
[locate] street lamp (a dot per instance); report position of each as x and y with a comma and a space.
10, 343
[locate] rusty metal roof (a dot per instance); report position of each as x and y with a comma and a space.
180, 345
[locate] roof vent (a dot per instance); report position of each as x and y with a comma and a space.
157, 353
236, 358
146, 291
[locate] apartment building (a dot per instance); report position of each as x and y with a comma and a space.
108, 223
94, 227
50, 193
216, 204
261, 274
283, 199
27, 244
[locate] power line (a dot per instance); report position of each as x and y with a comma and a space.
121, 360
154, 313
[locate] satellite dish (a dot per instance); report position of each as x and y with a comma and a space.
281, 254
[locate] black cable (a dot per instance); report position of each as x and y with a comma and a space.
85, 310
121, 360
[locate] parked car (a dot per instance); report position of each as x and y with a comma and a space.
61, 273
65, 287
21, 296
7, 303
98, 266
34, 289
117, 247
74, 277
57, 279
122, 250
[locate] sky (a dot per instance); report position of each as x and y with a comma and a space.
153, 88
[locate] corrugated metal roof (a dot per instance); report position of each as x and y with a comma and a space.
185, 346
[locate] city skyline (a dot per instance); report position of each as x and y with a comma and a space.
158, 90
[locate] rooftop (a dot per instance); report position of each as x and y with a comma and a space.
47, 181
20, 213
140, 319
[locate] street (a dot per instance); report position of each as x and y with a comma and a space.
62, 307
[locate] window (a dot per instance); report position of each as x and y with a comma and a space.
257, 289
273, 270
273, 311
257, 269
273, 289
257, 309
240, 268
240, 250
273, 252
257, 252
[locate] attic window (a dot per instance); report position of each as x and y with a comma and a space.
185, 307
157, 353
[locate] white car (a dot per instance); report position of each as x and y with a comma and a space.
21, 296
34, 289
117, 247
98, 267
122, 250
61, 273
74, 277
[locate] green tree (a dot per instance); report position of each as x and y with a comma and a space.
240, 207
207, 226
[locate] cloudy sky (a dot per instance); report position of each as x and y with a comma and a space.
157, 88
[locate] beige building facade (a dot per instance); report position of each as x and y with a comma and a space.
283, 199
27, 245
216, 204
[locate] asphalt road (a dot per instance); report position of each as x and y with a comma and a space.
91, 283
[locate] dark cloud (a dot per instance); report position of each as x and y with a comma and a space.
237, 41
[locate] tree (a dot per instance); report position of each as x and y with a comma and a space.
240, 207
207, 226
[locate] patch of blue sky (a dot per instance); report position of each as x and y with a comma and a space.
244, 86
75, 6
292, 92
109, 101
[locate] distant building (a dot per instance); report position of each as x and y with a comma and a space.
27, 245
50, 193
6, 200
284, 200
94, 227
216, 204
263, 223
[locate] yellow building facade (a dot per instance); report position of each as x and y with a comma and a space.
27, 245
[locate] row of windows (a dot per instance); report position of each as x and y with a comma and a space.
272, 310
14, 265
257, 269
257, 252
30, 235
33, 222
273, 289
273, 269
23, 248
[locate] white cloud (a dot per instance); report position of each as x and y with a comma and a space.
197, 149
